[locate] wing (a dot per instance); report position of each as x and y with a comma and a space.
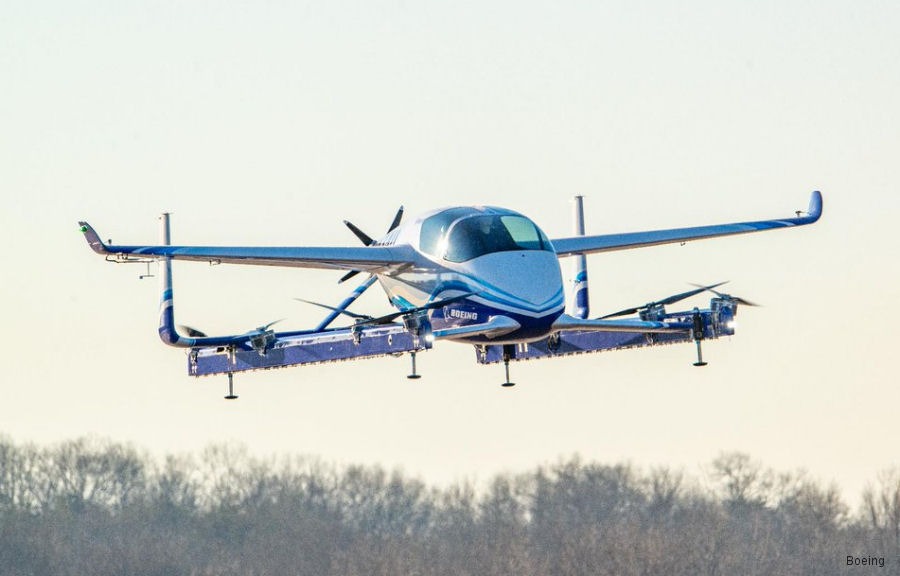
610, 242
366, 258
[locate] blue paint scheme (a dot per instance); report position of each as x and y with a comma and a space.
315, 348
717, 321
580, 306
582, 309
610, 242
531, 328
518, 281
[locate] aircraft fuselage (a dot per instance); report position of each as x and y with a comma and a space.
520, 281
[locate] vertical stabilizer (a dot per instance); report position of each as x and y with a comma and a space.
167, 330
578, 304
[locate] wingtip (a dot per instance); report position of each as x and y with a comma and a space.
93, 239
815, 205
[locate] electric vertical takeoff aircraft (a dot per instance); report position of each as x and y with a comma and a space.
478, 275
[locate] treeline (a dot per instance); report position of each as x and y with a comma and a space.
92, 507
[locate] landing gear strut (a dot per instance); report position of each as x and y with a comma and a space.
698, 336
509, 351
231, 394
413, 375
699, 361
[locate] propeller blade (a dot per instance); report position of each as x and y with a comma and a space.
688, 294
345, 312
665, 301
270, 324
738, 299
359, 233
397, 218
742, 301
191, 332
348, 276
367, 240
446, 301
625, 312
388, 318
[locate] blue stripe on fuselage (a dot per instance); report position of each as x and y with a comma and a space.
467, 313
558, 299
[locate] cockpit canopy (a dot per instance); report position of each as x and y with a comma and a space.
460, 234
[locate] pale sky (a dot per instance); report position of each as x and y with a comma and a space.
267, 123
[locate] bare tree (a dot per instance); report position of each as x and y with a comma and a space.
882, 505
89, 506
742, 481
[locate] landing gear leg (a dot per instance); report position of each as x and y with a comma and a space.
413, 375
231, 395
699, 361
509, 351
698, 336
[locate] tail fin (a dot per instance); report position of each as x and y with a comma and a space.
168, 333
579, 306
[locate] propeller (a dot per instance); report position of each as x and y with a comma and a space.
348, 276
665, 301
353, 315
367, 240
363, 237
396, 221
261, 339
266, 326
737, 299
194, 333
388, 318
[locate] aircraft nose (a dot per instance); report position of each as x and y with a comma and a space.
528, 277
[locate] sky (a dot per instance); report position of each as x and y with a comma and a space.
268, 123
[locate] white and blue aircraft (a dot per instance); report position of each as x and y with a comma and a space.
478, 275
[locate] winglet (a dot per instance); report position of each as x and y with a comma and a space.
814, 212
93, 239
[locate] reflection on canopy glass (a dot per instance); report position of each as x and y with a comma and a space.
475, 236
435, 227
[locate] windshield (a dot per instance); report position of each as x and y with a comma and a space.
435, 227
475, 236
